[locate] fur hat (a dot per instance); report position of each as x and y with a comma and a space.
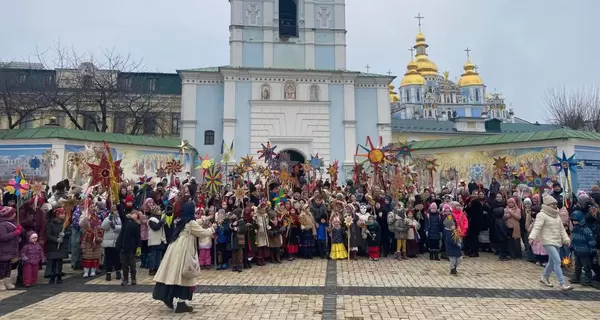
548, 200
433, 206
7, 211
527, 201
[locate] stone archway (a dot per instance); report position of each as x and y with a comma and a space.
295, 156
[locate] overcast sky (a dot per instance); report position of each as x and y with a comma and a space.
522, 48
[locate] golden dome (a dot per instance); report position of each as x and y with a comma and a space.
425, 66
412, 76
393, 95
470, 77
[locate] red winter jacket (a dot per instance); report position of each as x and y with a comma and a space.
461, 221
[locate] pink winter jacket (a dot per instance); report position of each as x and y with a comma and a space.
461, 221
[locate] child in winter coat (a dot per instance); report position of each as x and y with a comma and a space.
453, 242
32, 256
398, 224
322, 236
274, 231
237, 240
91, 244
222, 234
205, 244
583, 245
57, 231
157, 240
512, 216
338, 235
10, 232
373, 235
128, 241
433, 230
412, 235
146, 212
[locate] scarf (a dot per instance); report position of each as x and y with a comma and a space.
188, 214
551, 212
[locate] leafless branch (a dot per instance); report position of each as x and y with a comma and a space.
578, 109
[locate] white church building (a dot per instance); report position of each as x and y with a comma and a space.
287, 84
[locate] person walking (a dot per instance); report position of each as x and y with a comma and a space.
548, 229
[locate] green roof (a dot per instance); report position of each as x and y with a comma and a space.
49, 132
216, 69
506, 138
446, 126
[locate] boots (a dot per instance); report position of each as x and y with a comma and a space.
437, 256
2, 286
52, 280
8, 284
133, 279
59, 278
277, 258
246, 264
353, 255
182, 307
92, 272
118, 277
86, 272
108, 276
430, 256
125, 279
404, 255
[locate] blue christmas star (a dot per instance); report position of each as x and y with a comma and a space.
566, 164
35, 163
315, 162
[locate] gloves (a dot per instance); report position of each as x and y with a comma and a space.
59, 240
61, 235
18, 230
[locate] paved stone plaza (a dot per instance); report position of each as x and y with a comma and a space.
319, 289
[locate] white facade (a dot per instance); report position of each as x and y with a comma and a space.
305, 110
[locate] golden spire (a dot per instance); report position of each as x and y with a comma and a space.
412, 76
425, 66
393, 95
470, 77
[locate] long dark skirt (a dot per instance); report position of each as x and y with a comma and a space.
307, 243
167, 293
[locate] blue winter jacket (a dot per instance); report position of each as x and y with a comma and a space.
583, 241
453, 248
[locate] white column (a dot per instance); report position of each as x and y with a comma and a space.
188, 111
229, 120
384, 118
267, 14
340, 34
235, 33
349, 124
56, 173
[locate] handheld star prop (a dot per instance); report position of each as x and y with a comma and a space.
248, 162
205, 163
402, 149
101, 173
213, 180
538, 182
183, 146
226, 152
566, 164
332, 170
267, 152
240, 193
143, 182
500, 163
17, 186
316, 162
173, 167
161, 173
431, 165
280, 197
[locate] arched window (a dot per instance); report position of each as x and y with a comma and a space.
288, 18
418, 95
407, 95
430, 113
476, 95
209, 137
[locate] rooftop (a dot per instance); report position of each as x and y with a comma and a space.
507, 138
56, 132
216, 69
445, 126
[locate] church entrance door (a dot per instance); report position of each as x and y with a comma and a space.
295, 156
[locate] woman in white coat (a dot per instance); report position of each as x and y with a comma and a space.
170, 282
548, 229
112, 227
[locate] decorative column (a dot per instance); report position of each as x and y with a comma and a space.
384, 117
229, 118
188, 111
57, 172
349, 121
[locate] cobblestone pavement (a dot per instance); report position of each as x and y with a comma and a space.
319, 289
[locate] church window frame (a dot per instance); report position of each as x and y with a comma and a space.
288, 18
314, 93
209, 137
476, 95
265, 92
407, 92
418, 95
289, 90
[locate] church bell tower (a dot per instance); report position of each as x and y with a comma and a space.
288, 34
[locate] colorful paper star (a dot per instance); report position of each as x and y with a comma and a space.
316, 162
500, 163
267, 152
161, 173
35, 163
100, 173
173, 167
17, 186
205, 163
566, 164
183, 146
248, 162
402, 149
213, 180
143, 182
431, 165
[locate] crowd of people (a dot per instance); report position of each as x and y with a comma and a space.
176, 229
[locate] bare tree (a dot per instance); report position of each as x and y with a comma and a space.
17, 83
578, 110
